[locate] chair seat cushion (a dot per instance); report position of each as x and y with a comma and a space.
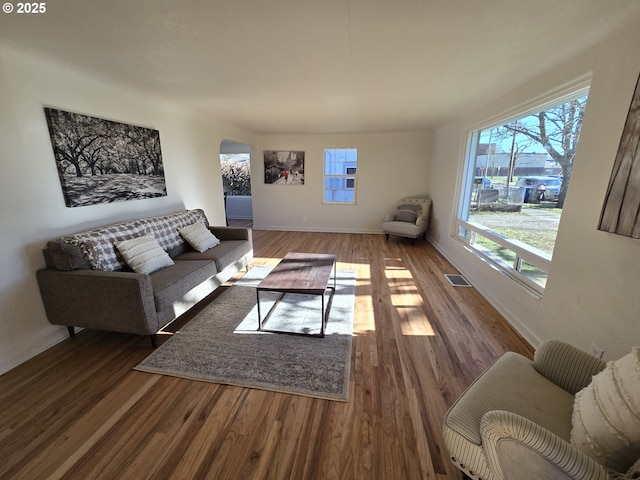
404, 229
512, 384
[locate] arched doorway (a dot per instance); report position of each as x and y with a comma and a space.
235, 164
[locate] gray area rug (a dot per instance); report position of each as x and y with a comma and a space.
222, 344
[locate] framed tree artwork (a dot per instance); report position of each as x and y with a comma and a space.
101, 161
621, 209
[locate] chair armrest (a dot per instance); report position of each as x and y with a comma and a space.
423, 218
565, 365
231, 233
115, 301
515, 447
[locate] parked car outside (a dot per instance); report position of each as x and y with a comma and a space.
540, 188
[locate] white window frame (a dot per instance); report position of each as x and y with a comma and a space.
346, 177
465, 231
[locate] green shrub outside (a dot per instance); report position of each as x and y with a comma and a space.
236, 178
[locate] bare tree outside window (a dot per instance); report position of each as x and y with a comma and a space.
557, 130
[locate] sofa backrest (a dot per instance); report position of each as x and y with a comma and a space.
94, 249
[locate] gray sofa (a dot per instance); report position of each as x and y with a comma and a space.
87, 283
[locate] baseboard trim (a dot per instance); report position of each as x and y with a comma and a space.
34, 346
316, 230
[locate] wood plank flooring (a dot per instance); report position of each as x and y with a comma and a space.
79, 411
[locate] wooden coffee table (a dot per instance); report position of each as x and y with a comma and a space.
302, 273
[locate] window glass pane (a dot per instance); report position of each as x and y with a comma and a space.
338, 190
497, 252
535, 274
340, 165
517, 178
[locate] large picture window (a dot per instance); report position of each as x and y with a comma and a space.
340, 166
517, 173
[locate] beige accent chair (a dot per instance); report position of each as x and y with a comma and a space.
410, 220
549, 418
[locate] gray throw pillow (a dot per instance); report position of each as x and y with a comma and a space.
407, 213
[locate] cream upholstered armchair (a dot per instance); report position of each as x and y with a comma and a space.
411, 218
564, 415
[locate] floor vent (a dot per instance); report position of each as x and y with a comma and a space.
457, 280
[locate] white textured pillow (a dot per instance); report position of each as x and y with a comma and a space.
143, 254
199, 236
606, 414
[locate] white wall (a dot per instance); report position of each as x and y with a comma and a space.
390, 166
592, 290
32, 207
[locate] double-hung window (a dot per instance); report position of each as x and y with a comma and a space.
516, 175
340, 166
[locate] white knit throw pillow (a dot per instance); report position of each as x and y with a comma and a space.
143, 254
606, 414
199, 236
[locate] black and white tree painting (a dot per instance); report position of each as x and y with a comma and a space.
100, 161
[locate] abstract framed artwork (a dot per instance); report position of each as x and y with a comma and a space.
101, 161
621, 209
283, 167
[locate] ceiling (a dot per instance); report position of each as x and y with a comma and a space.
318, 66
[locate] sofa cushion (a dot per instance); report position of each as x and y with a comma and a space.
172, 283
143, 254
199, 236
223, 255
606, 415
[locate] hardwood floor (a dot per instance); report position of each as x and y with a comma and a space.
79, 411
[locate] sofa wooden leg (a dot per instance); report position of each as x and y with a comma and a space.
72, 331
387, 235
154, 340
